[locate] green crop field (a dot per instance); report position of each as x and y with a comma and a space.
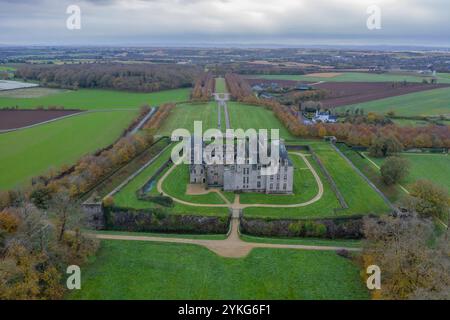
355, 77
173, 271
434, 167
245, 117
97, 99
426, 103
30, 152
221, 86
184, 115
6, 68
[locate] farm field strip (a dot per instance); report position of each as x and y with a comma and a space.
21, 119
426, 103
354, 77
30, 152
89, 99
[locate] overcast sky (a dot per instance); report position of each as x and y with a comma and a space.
251, 22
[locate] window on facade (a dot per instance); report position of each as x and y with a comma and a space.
271, 186
284, 186
258, 184
278, 186
243, 180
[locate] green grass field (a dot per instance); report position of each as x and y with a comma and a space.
254, 117
142, 270
98, 99
221, 86
356, 77
426, 103
127, 196
6, 68
434, 167
30, 152
184, 115
360, 197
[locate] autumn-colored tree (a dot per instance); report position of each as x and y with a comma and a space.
411, 267
428, 199
394, 169
383, 146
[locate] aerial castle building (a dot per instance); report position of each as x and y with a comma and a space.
245, 177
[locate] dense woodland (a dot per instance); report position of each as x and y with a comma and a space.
130, 77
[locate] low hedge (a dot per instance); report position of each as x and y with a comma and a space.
159, 220
337, 228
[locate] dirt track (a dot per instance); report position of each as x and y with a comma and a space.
232, 247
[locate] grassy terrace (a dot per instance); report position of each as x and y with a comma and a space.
95, 99
30, 152
184, 115
221, 86
355, 77
254, 117
360, 197
394, 193
426, 103
127, 196
173, 271
434, 167
322, 208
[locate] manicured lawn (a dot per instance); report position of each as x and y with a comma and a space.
27, 153
254, 117
221, 86
426, 103
355, 77
434, 167
98, 99
305, 187
184, 115
322, 208
305, 241
394, 193
143, 270
127, 196
175, 185
360, 197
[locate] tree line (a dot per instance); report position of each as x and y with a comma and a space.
204, 87
358, 134
129, 77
